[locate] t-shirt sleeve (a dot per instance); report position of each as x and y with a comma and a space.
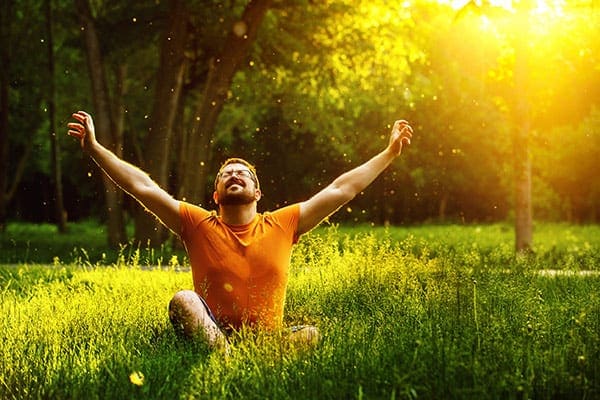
288, 218
190, 216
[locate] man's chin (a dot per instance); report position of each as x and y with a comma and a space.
236, 199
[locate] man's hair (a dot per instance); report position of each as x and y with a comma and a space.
235, 160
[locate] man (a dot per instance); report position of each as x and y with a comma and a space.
239, 258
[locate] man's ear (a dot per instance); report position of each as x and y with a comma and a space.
257, 194
215, 197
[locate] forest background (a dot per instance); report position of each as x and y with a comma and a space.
305, 90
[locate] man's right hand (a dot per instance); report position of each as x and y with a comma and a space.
83, 129
127, 176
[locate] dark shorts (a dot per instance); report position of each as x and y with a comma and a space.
210, 314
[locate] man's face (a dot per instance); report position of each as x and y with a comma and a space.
236, 185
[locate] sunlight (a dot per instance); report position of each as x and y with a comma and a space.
542, 7
544, 13
458, 4
554, 9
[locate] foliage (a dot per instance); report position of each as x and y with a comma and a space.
573, 149
404, 313
317, 95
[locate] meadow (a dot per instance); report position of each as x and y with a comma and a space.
424, 312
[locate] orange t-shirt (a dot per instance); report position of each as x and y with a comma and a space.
241, 270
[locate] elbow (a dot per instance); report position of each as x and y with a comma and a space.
349, 197
137, 190
345, 193
142, 189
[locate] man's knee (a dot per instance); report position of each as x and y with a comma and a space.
184, 300
305, 336
190, 316
186, 312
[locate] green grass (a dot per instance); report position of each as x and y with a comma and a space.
84, 243
432, 312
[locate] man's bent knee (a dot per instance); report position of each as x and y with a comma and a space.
190, 317
305, 336
188, 313
178, 311
183, 299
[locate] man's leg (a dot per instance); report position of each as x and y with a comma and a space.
191, 317
304, 335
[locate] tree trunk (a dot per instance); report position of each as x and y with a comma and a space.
522, 158
523, 209
119, 108
5, 23
8, 188
222, 69
158, 142
104, 125
443, 205
59, 208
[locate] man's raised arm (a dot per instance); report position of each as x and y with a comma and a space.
348, 185
128, 177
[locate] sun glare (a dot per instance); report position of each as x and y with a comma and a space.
554, 8
458, 4
541, 7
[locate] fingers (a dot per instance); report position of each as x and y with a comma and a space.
81, 114
76, 130
404, 130
406, 134
78, 116
403, 127
401, 123
82, 127
82, 117
84, 123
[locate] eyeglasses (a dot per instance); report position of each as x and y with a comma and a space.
243, 173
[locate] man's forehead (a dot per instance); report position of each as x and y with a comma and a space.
235, 166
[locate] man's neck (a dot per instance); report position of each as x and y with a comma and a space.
238, 214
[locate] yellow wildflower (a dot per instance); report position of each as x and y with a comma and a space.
137, 378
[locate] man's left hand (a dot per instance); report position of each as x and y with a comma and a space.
400, 136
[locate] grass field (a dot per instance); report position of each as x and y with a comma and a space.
425, 312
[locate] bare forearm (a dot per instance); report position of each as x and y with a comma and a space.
356, 180
348, 185
127, 176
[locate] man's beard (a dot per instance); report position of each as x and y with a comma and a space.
236, 199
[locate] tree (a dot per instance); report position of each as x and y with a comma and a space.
462, 145
59, 209
221, 70
521, 135
521, 122
6, 15
104, 121
167, 97
18, 23
572, 190
322, 78
169, 80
